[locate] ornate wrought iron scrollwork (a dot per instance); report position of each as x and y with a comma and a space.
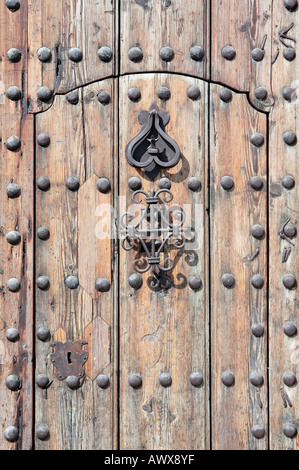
153, 230
152, 149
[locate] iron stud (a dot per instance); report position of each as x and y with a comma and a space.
256, 183
227, 183
289, 54
44, 54
258, 54
73, 97
289, 94
261, 93
164, 183
102, 285
13, 143
72, 282
257, 139
12, 5
228, 379
290, 230
228, 280
197, 53
72, 382
12, 335
43, 282
11, 434
13, 190
13, 237
42, 432
105, 54
196, 379
193, 93
135, 381
134, 94
289, 281
135, 281
13, 93
165, 380
228, 52
103, 185
43, 139
135, 54
72, 183
167, 54
44, 94
103, 381
43, 233
195, 283
135, 183
289, 379
164, 93
194, 184
43, 334
13, 285
257, 330
289, 430
290, 329
290, 138
291, 5
42, 381
13, 383
258, 232
165, 282
75, 54
257, 281
225, 95
104, 97
258, 432
43, 183
14, 55
288, 182
257, 379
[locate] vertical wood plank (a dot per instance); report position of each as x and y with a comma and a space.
84, 24
237, 409
152, 25
166, 331
16, 220
83, 418
283, 206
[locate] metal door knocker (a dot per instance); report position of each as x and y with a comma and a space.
152, 149
153, 230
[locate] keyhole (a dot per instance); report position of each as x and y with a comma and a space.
69, 360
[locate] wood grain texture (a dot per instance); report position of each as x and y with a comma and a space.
16, 309
243, 25
283, 205
61, 25
166, 331
84, 418
152, 25
236, 409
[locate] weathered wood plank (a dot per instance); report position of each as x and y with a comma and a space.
283, 206
60, 26
166, 331
152, 25
16, 226
234, 251
244, 25
83, 418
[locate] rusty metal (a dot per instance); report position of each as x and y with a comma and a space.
103, 185
13, 143
13, 93
13, 383
13, 191
72, 183
44, 54
135, 54
44, 94
225, 95
167, 54
228, 379
43, 333
13, 237
153, 226
103, 381
69, 359
134, 94
135, 281
75, 54
102, 285
42, 381
11, 434
14, 55
152, 149
72, 382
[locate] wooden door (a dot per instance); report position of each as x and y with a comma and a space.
112, 340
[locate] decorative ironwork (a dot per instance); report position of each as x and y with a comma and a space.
69, 359
153, 231
152, 149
